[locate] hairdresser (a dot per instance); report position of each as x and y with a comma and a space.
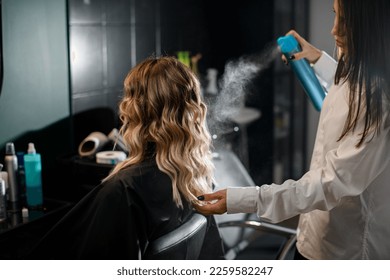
344, 198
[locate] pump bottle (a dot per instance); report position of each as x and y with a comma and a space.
304, 72
33, 171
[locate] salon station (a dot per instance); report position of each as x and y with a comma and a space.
63, 63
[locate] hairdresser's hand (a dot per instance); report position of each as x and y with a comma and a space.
213, 203
311, 53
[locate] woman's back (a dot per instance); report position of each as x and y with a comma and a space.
120, 217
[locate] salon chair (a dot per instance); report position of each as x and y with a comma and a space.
240, 231
183, 243
260, 230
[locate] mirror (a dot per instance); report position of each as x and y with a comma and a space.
1, 51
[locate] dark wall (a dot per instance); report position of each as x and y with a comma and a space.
108, 37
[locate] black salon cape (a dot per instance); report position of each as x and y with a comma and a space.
118, 218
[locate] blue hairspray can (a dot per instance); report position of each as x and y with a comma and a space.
304, 72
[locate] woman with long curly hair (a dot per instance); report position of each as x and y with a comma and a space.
163, 114
152, 191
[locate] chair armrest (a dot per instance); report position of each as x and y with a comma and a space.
289, 233
261, 226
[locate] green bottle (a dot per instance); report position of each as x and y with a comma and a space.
33, 171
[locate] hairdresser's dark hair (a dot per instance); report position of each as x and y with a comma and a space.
365, 66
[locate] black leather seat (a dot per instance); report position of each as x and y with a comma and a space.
183, 243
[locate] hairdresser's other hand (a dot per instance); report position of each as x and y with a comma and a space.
311, 53
213, 203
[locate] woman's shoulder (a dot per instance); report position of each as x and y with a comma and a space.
131, 175
136, 171
123, 186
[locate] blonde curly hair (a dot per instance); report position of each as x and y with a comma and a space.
162, 104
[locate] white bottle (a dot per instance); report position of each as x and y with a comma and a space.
212, 87
3, 199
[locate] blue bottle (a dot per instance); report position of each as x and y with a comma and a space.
33, 171
306, 76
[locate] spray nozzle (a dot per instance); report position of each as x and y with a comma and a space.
288, 44
31, 148
10, 148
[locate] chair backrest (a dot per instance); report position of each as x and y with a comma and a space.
183, 243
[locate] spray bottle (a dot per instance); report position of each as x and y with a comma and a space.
306, 76
11, 165
33, 171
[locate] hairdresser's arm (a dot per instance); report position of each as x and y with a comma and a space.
347, 172
325, 69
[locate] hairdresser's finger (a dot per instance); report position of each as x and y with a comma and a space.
219, 207
301, 41
284, 59
299, 38
298, 55
213, 196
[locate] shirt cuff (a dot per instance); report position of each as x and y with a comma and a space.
242, 199
325, 68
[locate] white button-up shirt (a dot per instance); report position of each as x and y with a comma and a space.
344, 199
